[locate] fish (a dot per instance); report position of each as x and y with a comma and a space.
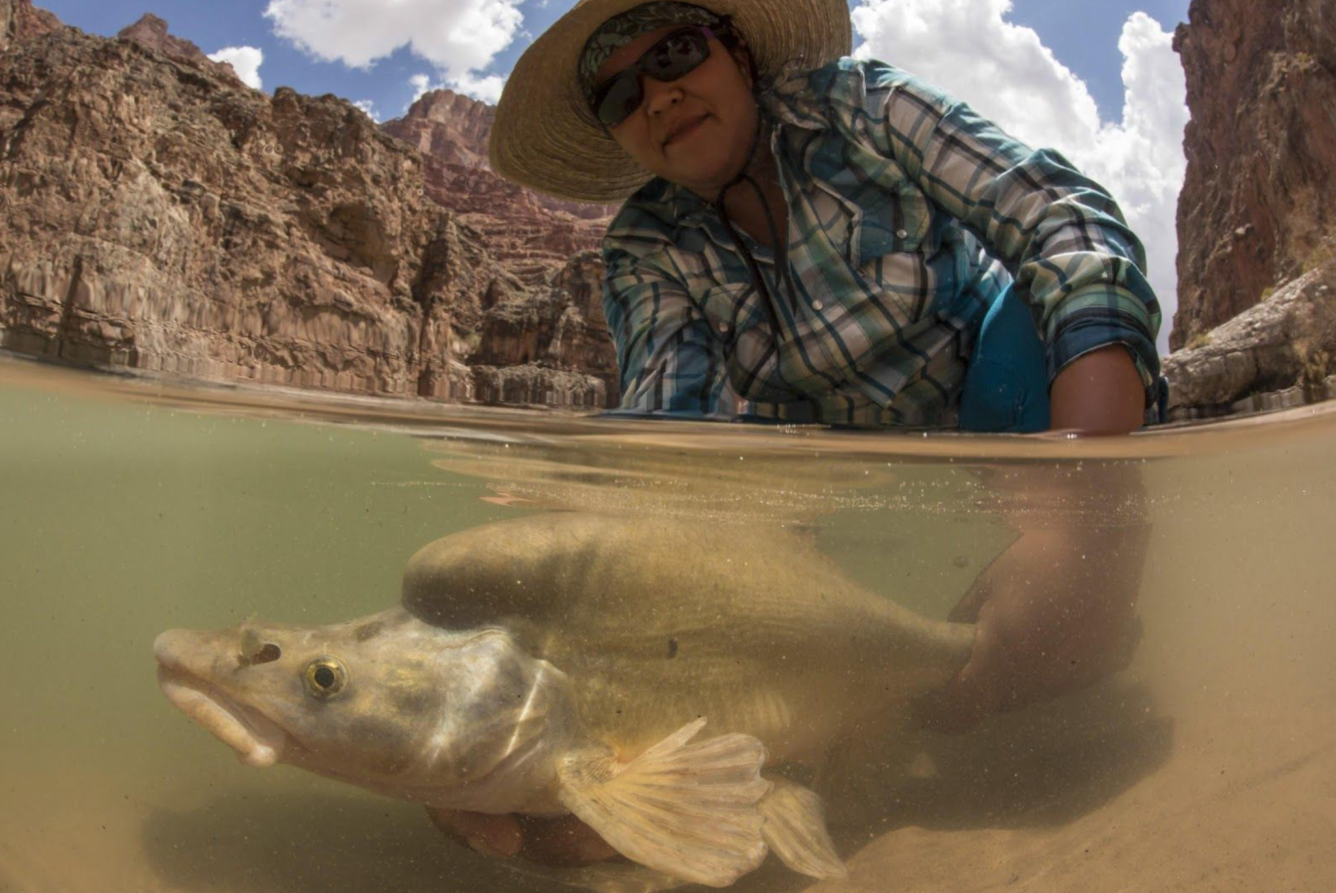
656, 678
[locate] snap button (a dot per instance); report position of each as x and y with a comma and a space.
902, 234
723, 327
817, 305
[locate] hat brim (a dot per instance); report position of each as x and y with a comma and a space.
546, 138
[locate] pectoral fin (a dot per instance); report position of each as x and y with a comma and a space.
689, 810
795, 829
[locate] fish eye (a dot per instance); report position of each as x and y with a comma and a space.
325, 676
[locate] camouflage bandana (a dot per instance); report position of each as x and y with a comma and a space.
620, 30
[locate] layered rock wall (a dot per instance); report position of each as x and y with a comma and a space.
159, 215
1257, 205
562, 328
530, 234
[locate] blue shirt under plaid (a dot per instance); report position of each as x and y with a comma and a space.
908, 216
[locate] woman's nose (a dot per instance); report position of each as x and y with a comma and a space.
659, 97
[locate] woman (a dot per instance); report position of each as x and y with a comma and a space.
816, 239
807, 237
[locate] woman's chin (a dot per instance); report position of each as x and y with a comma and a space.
703, 176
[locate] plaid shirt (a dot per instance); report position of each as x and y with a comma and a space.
908, 216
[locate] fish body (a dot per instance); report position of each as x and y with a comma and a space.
570, 663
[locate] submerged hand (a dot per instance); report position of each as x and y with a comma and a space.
1055, 613
561, 842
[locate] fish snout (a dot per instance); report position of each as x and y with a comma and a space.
188, 675
167, 647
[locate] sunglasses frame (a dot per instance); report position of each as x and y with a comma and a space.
637, 70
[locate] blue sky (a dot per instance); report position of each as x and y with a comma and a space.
1082, 35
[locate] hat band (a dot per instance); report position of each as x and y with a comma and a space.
621, 29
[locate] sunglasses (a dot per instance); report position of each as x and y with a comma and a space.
674, 56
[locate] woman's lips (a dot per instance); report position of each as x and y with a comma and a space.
685, 130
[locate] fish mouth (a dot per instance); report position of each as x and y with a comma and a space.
257, 739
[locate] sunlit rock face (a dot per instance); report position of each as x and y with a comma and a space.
1257, 205
20, 20
530, 234
151, 31
1256, 322
160, 215
1277, 355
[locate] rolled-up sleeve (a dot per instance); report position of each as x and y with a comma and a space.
1061, 234
670, 362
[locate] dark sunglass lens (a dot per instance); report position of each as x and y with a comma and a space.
676, 55
619, 99
669, 59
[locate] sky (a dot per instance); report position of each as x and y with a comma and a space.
1097, 81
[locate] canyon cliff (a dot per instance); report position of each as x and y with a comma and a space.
1256, 220
160, 215
531, 234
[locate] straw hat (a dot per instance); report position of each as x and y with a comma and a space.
546, 137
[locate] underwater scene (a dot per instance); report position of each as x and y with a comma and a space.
271, 641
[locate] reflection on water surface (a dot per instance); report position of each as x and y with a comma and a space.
1206, 764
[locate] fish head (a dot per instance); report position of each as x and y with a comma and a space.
386, 702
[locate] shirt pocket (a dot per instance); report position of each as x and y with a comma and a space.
889, 212
891, 221
731, 309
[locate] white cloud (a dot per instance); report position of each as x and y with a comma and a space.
368, 108
421, 85
484, 89
968, 48
457, 36
245, 61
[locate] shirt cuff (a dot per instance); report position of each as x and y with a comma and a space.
1096, 317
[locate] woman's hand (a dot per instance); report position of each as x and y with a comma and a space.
1054, 614
561, 842
1056, 611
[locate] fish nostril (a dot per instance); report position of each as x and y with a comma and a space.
268, 654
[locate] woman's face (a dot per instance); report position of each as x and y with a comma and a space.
695, 131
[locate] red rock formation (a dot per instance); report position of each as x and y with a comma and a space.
1257, 230
453, 129
20, 20
562, 328
159, 215
531, 234
446, 126
152, 32
1261, 147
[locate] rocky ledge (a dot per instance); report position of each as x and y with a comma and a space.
1276, 355
1256, 220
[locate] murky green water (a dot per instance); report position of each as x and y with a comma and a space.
1208, 764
